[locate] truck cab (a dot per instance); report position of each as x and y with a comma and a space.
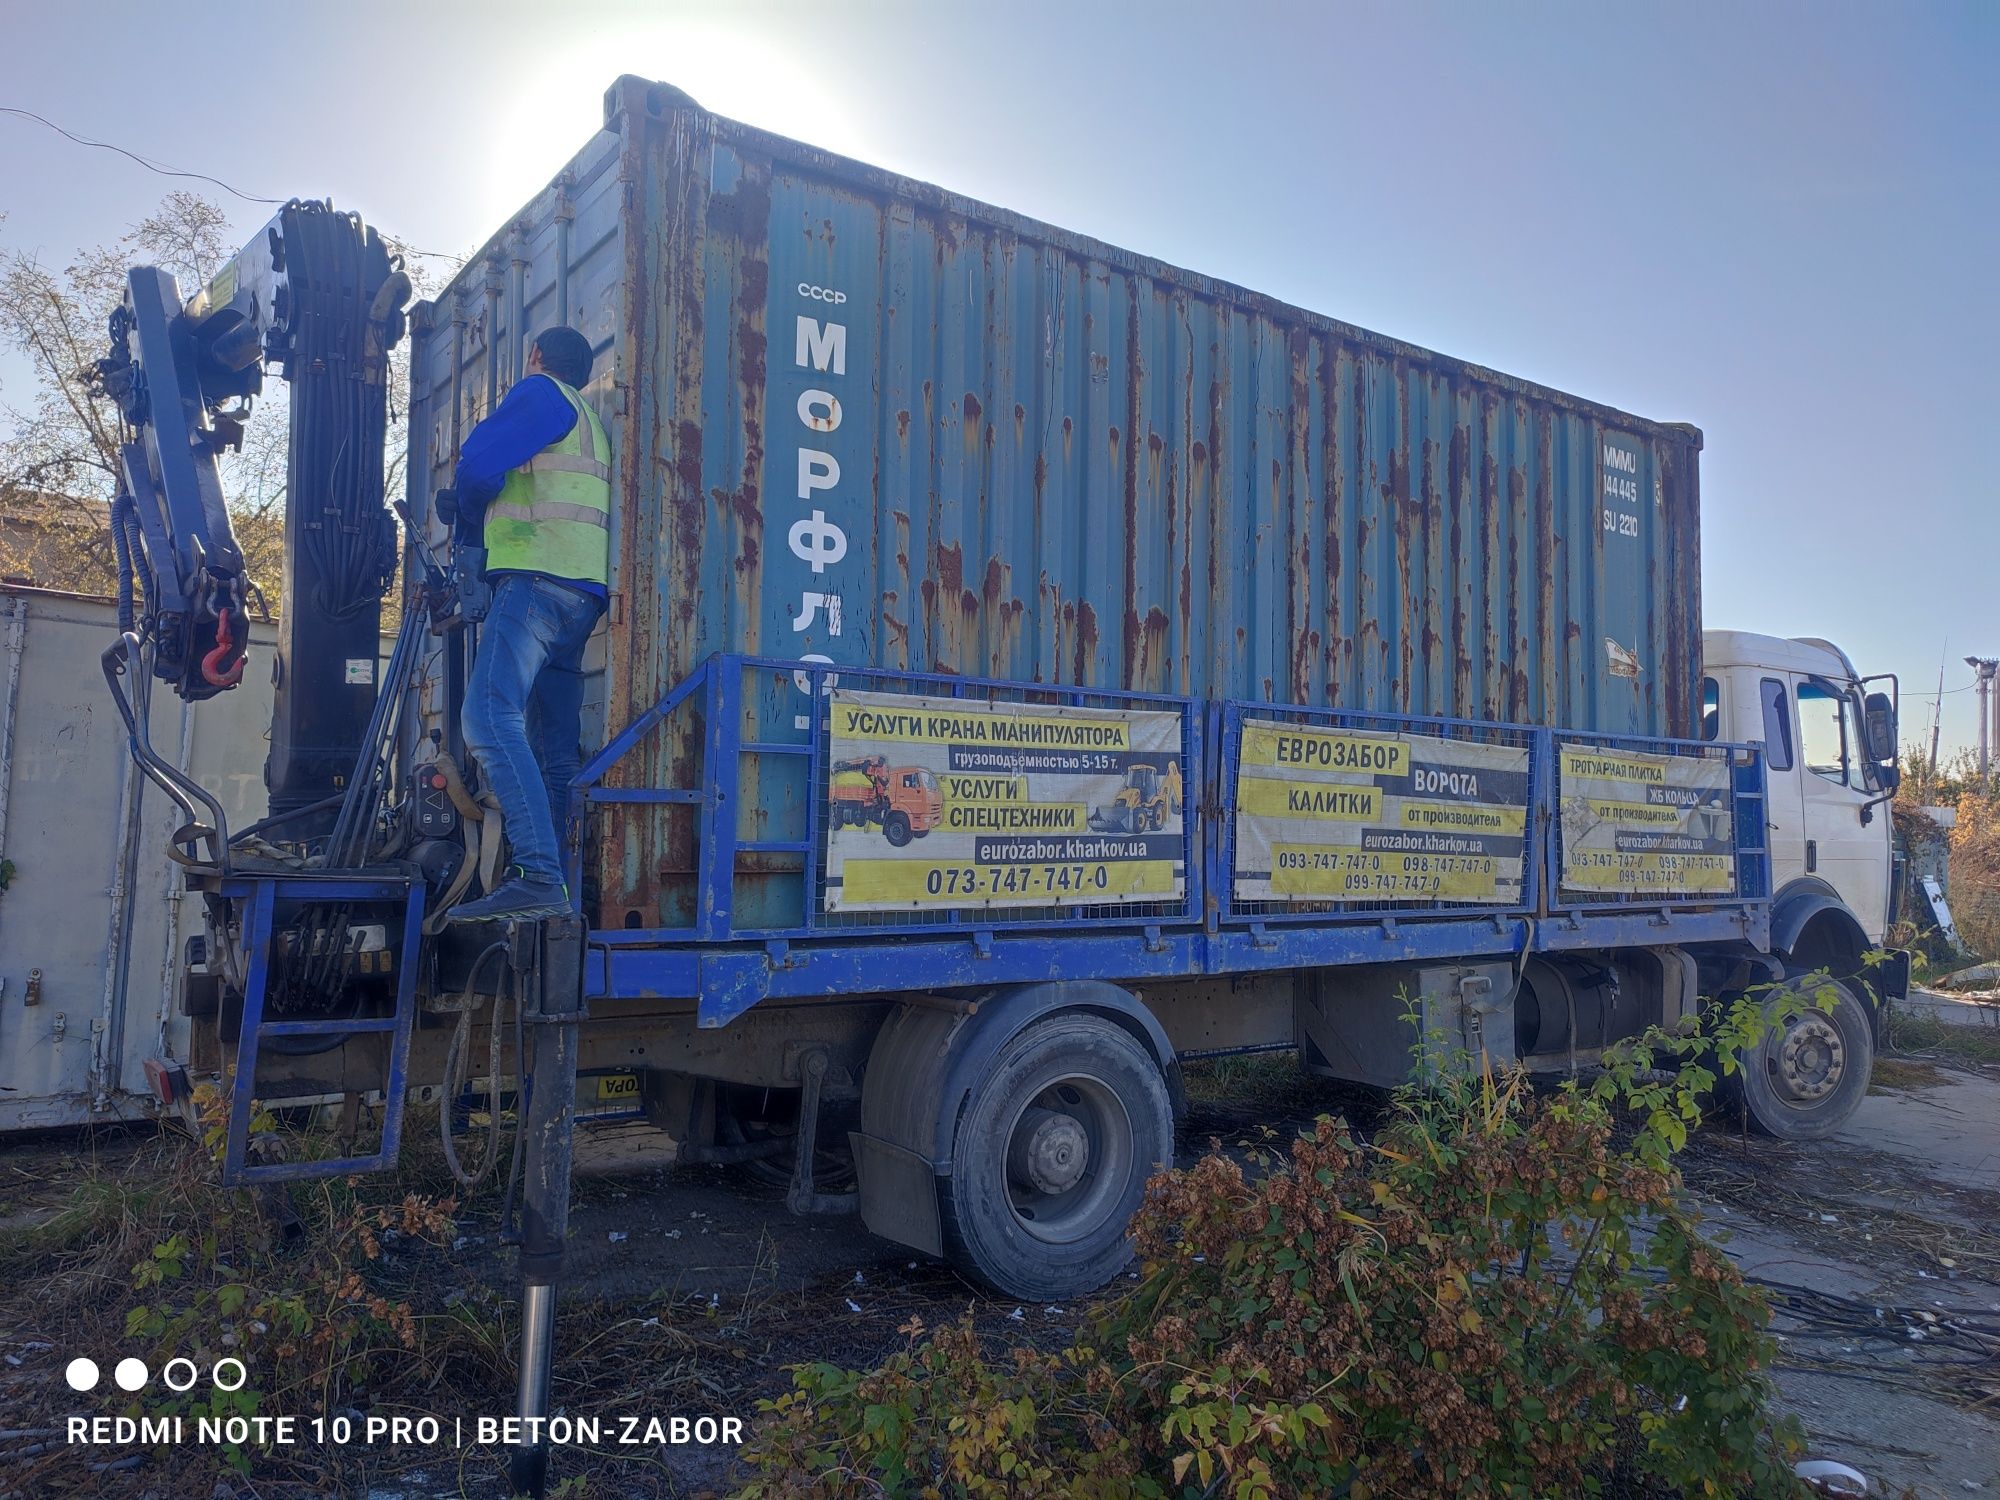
1830, 755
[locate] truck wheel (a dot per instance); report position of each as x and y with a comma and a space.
1804, 1081
896, 828
1052, 1154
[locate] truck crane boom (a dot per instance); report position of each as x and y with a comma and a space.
316, 297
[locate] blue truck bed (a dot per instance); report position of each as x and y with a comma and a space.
753, 764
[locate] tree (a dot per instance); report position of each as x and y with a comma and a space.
59, 471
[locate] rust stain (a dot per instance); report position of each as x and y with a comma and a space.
687, 518
1436, 579
896, 639
903, 426
1336, 518
1460, 471
1003, 616
950, 567
895, 632
1086, 641
1552, 563
1152, 637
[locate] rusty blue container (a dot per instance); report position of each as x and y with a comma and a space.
860, 418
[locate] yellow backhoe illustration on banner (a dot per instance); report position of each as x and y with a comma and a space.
1149, 797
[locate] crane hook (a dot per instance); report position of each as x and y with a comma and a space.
212, 670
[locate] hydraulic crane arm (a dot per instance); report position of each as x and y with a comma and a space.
316, 297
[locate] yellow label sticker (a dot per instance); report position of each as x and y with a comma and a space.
1610, 870
985, 788
1261, 796
1581, 761
1643, 814
1317, 872
1465, 817
1297, 749
934, 726
1016, 817
1065, 883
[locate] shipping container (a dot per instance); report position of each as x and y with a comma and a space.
861, 419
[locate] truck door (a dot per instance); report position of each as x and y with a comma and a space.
1767, 715
1835, 786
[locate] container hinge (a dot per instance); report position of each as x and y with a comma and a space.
1260, 936
1388, 929
982, 943
1662, 918
1156, 941
780, 952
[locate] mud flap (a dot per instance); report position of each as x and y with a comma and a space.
898, 1194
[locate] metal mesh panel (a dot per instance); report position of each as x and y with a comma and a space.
1747, 821
977, 693
1306, 910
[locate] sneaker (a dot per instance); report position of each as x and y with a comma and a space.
516, 900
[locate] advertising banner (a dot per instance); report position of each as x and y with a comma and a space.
1635, 824
1341, 815
940, 803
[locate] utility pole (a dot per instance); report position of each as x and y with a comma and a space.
1937, 720
1986, 667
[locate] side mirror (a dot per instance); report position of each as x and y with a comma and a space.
1881, 718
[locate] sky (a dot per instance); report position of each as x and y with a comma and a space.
1779, 222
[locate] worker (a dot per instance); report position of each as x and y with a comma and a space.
534, 485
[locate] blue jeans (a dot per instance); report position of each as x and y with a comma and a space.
527, 679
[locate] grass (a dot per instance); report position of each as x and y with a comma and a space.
1896, 1073
1913, 1034
1269, 1080
428, 1325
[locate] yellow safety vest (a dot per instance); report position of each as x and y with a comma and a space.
553, 515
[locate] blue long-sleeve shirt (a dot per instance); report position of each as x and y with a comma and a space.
529, 417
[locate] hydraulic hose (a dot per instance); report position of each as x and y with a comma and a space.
455, 1060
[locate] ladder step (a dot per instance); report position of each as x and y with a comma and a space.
327, 1028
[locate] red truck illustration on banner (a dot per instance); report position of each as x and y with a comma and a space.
905, 801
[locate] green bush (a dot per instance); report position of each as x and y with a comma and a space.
1498, 1296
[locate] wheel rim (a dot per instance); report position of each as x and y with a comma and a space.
1069, 1155
1808, 1060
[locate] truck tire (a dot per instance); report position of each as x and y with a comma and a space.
1804, 1081
1053, 1151
896, 828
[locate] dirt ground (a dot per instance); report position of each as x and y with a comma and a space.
1880, 1249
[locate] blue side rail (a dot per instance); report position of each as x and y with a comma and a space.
750, 921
